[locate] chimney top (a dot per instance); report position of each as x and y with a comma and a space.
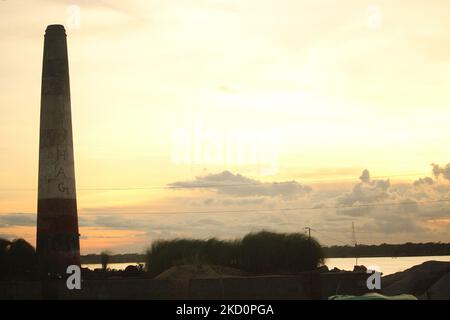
55, 29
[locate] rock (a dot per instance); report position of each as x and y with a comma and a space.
322, 269
359, 269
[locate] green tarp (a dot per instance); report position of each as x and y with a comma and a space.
373, 296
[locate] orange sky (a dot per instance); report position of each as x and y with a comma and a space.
165, 91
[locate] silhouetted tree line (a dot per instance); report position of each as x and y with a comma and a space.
260, 253
17, 260
112, 258
389, 250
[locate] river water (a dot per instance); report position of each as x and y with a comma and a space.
386, 265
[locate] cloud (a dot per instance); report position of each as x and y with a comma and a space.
443, 172
227, 183
17, 220
365, 176
8, 236
423, 181
233, 202
390, 224
117, 222
131, 8
400, 212
367, 191
428, 188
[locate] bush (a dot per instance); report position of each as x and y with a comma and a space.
268, 252
105, 257
17, 259
4, 246
165, 254
263, 252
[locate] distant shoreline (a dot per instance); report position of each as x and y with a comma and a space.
361, 251
142, 260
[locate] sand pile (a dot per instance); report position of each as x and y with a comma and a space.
184, 272
427, 280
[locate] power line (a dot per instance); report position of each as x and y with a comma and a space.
424, 202
364, 233
330, 238
367, 235
206, 186
354, 242
376, 177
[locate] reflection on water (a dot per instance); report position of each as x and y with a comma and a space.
116, 266
386, 265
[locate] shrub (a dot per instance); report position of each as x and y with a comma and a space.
17, 258
22, 257
268, 252
167, 253
263, 252
105, 257
4, 246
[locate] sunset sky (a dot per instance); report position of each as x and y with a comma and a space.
177, 103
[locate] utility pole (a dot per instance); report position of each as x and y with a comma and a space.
308, 229
354, 241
